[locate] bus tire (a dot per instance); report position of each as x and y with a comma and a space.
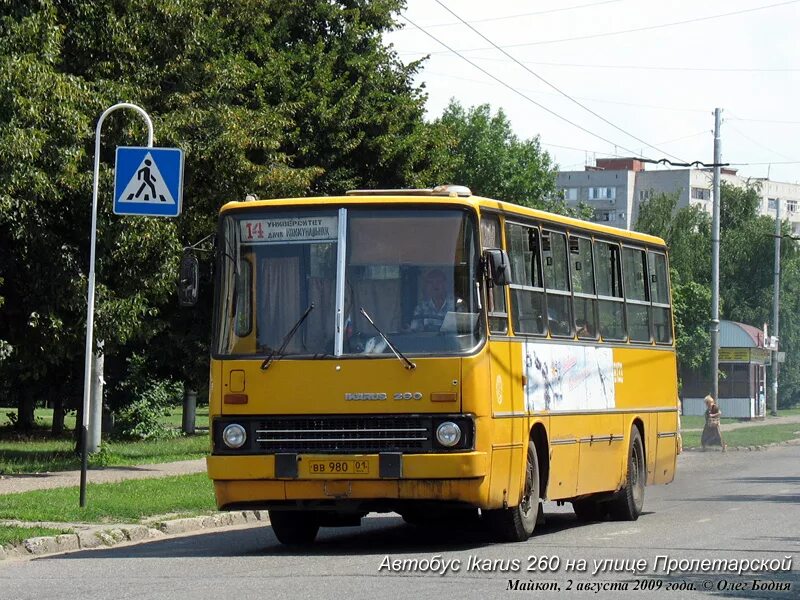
294, 527
589, 509
516, 523
626, 505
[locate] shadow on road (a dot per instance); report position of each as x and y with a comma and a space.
766, 480
784, 498
377, 536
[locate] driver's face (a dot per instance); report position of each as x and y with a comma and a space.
436, 286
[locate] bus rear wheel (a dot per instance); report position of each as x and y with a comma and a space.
627, 504
516, 523
294, 527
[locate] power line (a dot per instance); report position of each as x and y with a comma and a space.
618, 155
516, 91
686, 137
583, 150
638, 29
764, 121
528, 14
760, 145
772, 162
651, 106
556, 88
641, 67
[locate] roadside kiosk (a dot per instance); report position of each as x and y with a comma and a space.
743, 361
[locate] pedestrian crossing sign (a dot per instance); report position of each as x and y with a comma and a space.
148, 181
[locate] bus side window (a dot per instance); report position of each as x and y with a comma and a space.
244, 299
556, 273
608, 277
527, 289
637, 294
498, 314
585, 300
659, 288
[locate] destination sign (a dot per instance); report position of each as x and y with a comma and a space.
289, 230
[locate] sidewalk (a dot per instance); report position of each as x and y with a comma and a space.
754, 423
11, 484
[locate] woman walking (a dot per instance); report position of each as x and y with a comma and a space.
712, 436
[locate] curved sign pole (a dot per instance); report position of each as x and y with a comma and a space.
90, 301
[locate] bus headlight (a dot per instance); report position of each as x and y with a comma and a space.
234, 435
448, 434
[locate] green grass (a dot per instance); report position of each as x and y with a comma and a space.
10, 534
39, 451
44, 417
695, 422
124, 502
38, 455
749, 436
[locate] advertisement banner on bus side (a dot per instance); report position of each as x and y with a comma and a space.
561, 377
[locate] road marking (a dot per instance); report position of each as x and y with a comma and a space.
704, 520
625, 532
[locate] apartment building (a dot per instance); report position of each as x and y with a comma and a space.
616, 187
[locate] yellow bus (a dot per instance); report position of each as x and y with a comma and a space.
439, 355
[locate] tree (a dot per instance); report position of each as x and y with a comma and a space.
489, 158
746, 274
276, 98
686, 231
747, 257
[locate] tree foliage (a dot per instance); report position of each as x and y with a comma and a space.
492, 161
276, 98
746, 274
686, 231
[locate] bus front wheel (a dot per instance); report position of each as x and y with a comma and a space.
628, 502
294, 527
516, 523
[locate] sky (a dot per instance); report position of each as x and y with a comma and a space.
573, 73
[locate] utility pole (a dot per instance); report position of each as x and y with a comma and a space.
776, 307
714, 326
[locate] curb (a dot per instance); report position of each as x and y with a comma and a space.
794, 442
108, 536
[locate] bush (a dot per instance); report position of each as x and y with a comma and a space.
146, 400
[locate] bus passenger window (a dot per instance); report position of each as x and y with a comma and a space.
637, 297
659, 288
496, 296
556, 273
527, 289
585, 301
608, 277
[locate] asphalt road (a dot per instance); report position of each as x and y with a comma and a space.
727, 507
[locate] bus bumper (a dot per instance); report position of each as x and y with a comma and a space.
250, 480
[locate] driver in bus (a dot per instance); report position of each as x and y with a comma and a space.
437, 302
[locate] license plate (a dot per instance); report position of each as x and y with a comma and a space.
339, 467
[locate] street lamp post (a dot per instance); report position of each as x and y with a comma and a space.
776, 307
714, 326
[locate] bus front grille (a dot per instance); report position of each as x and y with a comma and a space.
357, 434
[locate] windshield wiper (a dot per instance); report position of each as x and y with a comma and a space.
278, 354
400, 356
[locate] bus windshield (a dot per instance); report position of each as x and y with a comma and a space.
412, 270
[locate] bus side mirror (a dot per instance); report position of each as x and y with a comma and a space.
188, 280
499, 266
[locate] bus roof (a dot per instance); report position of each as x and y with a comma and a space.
417, 197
